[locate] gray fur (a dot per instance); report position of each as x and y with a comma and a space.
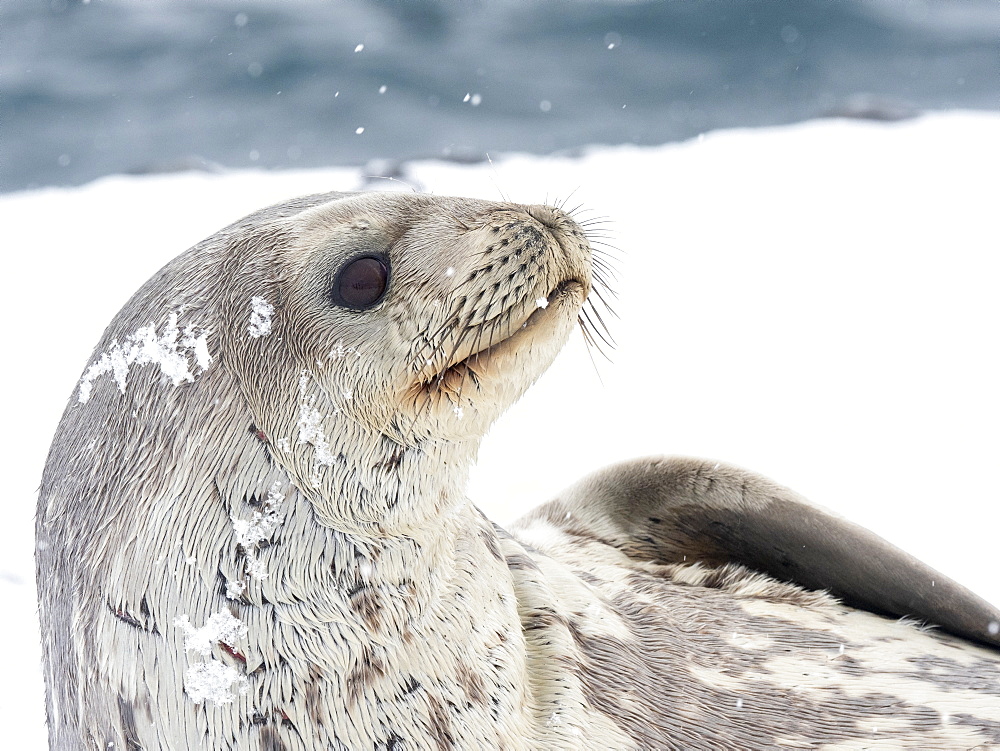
675, 510
289, 517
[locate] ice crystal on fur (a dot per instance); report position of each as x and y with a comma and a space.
234, 589
339, 351
220, 627
311, 430
213, 681
250, 533
171, 351
197, 342
260, 317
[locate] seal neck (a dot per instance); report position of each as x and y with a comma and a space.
378, 489
360, 480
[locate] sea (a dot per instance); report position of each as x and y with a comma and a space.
98, 87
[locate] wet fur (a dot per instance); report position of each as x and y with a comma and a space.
688, 651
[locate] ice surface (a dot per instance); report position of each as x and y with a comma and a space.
816, 302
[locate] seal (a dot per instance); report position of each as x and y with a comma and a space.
252, 529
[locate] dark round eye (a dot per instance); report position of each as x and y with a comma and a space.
361, 283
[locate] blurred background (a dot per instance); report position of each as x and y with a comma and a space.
89, 88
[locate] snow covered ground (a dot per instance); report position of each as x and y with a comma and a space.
818, 303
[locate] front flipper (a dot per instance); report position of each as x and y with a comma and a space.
674, 510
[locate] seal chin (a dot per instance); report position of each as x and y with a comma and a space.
503, 369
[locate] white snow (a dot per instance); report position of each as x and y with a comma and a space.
311, 430
816, 302
234, 589
260, 317
339, 351
171, 351
250, 533
211, 679
221, 626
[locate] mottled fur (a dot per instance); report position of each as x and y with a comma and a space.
303, 490
689, 655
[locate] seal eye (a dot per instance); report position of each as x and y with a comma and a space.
361, 283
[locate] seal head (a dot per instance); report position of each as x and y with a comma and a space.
255, 499
478, 299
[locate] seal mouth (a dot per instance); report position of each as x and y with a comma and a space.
480, 364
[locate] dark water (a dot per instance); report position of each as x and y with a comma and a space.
91, 88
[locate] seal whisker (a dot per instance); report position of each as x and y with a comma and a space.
603, 287
560, 204
591, 345
605, 263
601, 328
600, 246
594, 338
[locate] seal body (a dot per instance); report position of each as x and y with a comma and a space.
252, 528
687, 647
